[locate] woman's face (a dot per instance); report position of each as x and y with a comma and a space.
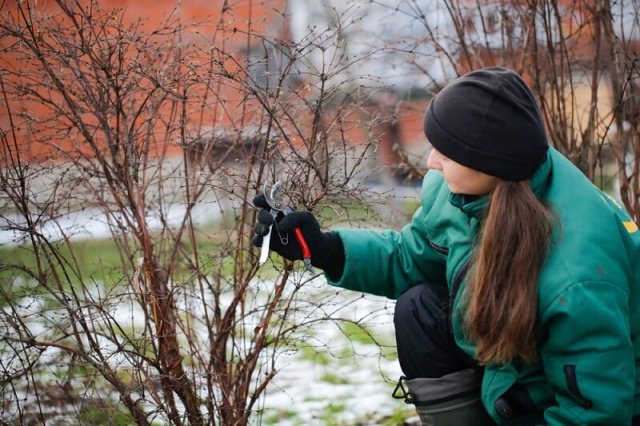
461, 179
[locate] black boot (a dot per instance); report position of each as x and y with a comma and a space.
450, 400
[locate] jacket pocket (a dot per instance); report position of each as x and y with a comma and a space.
572, 385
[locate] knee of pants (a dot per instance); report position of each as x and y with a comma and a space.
425, 343
424, 301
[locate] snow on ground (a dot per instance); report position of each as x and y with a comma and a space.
349, 382
332, 377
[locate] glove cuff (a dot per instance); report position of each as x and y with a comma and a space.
332, 262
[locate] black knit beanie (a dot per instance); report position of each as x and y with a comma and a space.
488, 120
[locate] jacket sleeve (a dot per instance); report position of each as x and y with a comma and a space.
387, 263
588, 356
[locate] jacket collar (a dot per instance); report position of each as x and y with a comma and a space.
474, 206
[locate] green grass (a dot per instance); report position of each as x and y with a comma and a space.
333, 378
358, 333
98, 259
87, 262
105, 415
102, 260
22, 269
312, 354
330, 214
397, 417
330, 412
275, 417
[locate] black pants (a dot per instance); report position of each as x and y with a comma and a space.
426, 348
441, 381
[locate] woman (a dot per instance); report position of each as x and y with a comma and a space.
517, 280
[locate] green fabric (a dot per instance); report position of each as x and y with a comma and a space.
589, 307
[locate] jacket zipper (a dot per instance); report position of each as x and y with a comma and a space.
455, 286
439, 249
572, 384
457, 280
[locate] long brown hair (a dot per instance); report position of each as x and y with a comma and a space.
502, 292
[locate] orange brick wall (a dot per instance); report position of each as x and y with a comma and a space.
228, 30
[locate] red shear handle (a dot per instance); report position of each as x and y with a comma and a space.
306, 253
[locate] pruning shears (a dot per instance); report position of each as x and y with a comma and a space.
275, 199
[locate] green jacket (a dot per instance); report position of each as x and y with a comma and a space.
588, 291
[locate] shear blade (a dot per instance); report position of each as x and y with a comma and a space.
275, 196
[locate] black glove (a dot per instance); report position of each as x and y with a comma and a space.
327, 251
